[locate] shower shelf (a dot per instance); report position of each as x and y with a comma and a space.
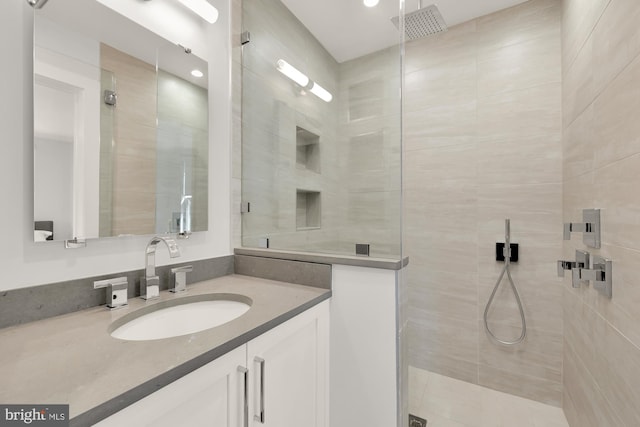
307, 210
307, 150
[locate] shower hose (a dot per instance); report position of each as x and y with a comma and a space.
507, 259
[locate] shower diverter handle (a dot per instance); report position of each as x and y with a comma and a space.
581, 262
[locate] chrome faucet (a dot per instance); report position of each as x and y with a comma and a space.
150, 283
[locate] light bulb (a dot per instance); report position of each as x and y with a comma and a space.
197, 73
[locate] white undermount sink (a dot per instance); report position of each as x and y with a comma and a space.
180, 316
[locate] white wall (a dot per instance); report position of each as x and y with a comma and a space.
24, 263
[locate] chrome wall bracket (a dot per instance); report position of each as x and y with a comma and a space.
589, 227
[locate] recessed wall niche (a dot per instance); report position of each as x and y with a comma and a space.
307, 210
307, 150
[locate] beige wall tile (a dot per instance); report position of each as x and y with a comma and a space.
615, 186
525, 21
451, 82
533, 112
424, 355
514, 382
447, 166
446, 291
519, 65
578, 144
615, 40
453, 120
607, 377
537, 357
521, 161
578, 20
621, 310
584, 405
457, 43
480, 147
577, 85
537, 207
615, 114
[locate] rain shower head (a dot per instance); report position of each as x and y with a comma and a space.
423, 22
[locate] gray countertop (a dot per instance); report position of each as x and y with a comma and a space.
72, 359
324, 258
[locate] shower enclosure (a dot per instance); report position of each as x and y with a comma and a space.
318, 175
432, 174
321, 169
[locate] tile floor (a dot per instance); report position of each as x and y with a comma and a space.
447, 402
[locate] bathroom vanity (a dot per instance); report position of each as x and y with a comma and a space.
266, 367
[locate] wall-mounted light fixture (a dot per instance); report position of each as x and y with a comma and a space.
202, 8
321, 92
302, 80
293, 73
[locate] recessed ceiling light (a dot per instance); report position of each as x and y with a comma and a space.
197, 73
370, 3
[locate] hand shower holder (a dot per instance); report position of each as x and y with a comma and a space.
589, 227
501, 252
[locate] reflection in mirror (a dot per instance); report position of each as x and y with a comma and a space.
120, 125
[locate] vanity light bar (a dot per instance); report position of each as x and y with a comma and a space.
291, 72
202, 8
302, 80
321, 92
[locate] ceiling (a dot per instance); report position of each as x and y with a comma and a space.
348, 29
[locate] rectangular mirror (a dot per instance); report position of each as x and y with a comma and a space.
120, 127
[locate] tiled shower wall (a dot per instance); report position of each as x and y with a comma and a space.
483, 143
274, 182
369, 139
601, 145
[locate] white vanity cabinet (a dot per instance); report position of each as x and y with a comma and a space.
289, 373
209, 396
287, 382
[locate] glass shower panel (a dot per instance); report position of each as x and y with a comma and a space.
318, 176
107, 144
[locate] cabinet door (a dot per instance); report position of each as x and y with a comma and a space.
211, 396
289, 372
